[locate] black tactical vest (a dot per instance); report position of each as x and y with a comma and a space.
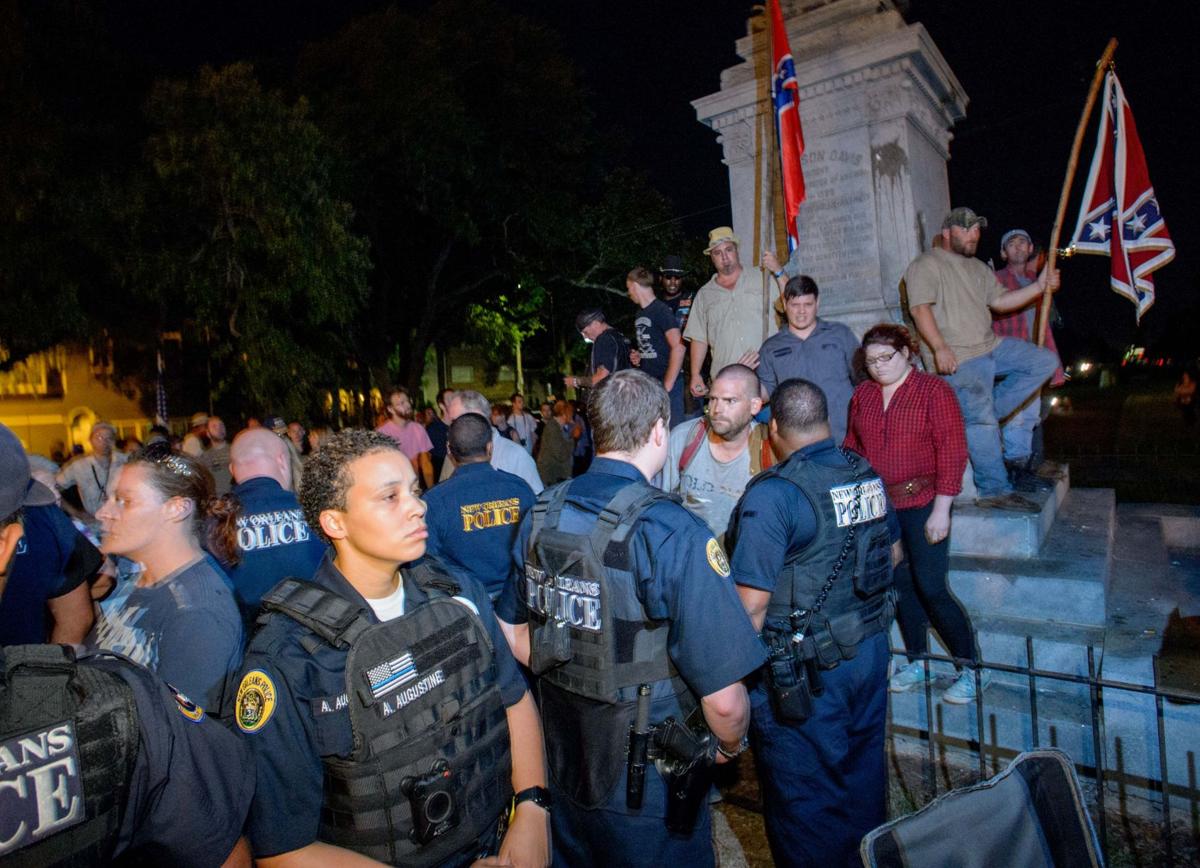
842, 498
426, 714
591, 643
68, 742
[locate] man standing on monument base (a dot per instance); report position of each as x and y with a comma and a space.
951, 296
1020, 456
728, 312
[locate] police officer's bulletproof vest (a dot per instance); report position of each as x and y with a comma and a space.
68, 742
422, 690
842, 498
583, 585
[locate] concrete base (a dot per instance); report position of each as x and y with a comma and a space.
992, 532
1098, 576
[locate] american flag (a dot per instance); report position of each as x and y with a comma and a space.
389, 675
1119, 216
785, 94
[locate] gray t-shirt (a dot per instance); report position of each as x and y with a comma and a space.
709, 488
186, 628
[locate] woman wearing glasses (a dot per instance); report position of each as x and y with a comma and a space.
908, 425
174, 613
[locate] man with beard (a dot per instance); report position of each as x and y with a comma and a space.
95, 476
952, 296
410, 434
712, 458
727, 313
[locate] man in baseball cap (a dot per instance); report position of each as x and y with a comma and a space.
18, 489
952, 296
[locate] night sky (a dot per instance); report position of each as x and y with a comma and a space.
1025, 65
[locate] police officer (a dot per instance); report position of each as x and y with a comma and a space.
274, 539
623, 608
97, 757
474, 515
811, 542
385, 713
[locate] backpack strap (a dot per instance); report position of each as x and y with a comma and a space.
335, 619
689, 451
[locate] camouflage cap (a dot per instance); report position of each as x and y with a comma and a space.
964, 218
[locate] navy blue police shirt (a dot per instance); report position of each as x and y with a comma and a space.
683, 579
188, 793
52, 559
776, 523
473, 519
306, 713
275, 540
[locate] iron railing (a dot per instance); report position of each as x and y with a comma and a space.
1096, 688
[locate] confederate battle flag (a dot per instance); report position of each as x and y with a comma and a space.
1119, 216
785, 93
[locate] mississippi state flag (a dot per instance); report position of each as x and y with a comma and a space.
1119, 216
785, 93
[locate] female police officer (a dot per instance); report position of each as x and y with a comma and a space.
383, 711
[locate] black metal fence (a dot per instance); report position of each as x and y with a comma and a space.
1096, 689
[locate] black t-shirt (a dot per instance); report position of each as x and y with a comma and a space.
652, 324
610, 351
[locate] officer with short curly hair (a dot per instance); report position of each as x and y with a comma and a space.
386, 715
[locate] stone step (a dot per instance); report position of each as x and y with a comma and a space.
1065, 582
996, 533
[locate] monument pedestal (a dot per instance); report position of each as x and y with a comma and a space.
876, 102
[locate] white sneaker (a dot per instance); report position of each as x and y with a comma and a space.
962, 690
908, 676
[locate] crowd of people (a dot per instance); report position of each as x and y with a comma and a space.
480, 634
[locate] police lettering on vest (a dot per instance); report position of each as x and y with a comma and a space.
41, 785
495, 513
563, 598
269, 529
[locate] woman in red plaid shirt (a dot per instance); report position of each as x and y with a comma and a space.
908, 425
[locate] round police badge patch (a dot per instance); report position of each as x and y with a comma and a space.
716, 558
255, 701
187, 708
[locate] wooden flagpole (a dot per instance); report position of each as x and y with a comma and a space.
1072, 165
765, 204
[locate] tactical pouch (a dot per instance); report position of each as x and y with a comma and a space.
848, 633
788, 677
820, 645
873, 567
553, 642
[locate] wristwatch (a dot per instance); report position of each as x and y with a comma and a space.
540, 796
729, 754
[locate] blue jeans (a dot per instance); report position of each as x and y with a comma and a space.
989, 388
1017, 432
824, 781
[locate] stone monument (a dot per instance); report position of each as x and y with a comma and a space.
877, 101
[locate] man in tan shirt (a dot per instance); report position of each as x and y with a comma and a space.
728, 311
951, 296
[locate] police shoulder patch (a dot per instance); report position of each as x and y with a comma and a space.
255, 701
716, 558
187, 708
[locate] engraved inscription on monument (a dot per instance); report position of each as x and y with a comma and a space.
837, 220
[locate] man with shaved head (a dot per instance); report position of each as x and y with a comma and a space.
712, 458
473, 516
275, 540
